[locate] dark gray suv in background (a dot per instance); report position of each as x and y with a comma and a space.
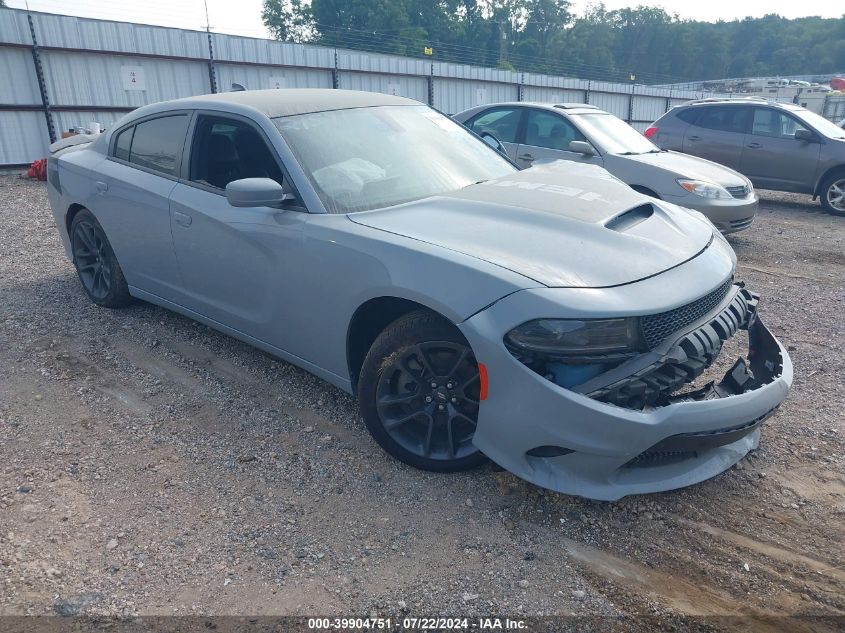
776, 145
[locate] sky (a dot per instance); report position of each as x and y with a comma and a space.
243, 17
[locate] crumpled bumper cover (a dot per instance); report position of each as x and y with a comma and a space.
651, 379
629, 433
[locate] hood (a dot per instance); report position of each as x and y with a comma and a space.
691, 167
561, 225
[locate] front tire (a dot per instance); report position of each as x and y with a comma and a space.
419, 394
832, 193
96, 264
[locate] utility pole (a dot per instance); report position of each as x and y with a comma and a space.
212, 75
503, 43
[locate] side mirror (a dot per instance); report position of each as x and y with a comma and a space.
805, 135
582, 147
256, 192
493, 142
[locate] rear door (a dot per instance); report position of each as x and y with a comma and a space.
240, 266
773, 157
503, 122
547, 137
131, 201
718, 134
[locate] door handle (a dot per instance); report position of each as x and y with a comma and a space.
693, 138
182, 219
528, 157
101, 186
755, 145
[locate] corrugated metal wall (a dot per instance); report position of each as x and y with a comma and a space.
87, 65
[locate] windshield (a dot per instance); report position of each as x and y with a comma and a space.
367, 158
613, 135
822, 125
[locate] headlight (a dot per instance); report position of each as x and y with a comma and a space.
705, 189
570, 338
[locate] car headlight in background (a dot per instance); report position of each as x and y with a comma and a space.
705, 189
562, 338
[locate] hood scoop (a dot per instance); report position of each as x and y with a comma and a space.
566, 226
630, 218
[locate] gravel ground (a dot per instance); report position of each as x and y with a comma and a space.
152, 466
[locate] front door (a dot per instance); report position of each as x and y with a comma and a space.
547, 137
774, 158
239, 265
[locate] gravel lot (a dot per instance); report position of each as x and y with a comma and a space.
150, 465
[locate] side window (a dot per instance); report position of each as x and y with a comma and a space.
549, 130
123, 143
727, 119
227, 149
768, 122
688, 115
503, 123
157, 143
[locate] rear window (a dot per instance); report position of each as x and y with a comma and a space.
157, 143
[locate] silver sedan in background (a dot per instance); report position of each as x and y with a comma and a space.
533, 133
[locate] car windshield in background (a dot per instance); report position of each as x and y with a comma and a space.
822, 125
367, 158
613, 135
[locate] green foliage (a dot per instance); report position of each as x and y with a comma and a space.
544, 36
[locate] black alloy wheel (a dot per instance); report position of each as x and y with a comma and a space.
419, 392
96, 265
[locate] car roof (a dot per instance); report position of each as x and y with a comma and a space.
758, 101
544, 106
276, 102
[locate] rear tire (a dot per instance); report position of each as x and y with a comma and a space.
96, 264
832, 193
419, 394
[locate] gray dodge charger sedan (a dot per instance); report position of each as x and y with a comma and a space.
551, 319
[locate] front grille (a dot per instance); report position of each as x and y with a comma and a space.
741, 224
656, 327
690, 445
738, 192
650, 459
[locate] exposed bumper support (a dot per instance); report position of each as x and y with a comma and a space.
684, 361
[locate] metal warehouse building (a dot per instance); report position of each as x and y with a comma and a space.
61, 71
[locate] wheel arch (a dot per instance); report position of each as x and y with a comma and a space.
836, 168
71, 213
369, 320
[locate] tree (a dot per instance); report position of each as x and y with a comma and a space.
288, 20
544, 36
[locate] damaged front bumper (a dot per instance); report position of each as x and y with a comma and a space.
632, 429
